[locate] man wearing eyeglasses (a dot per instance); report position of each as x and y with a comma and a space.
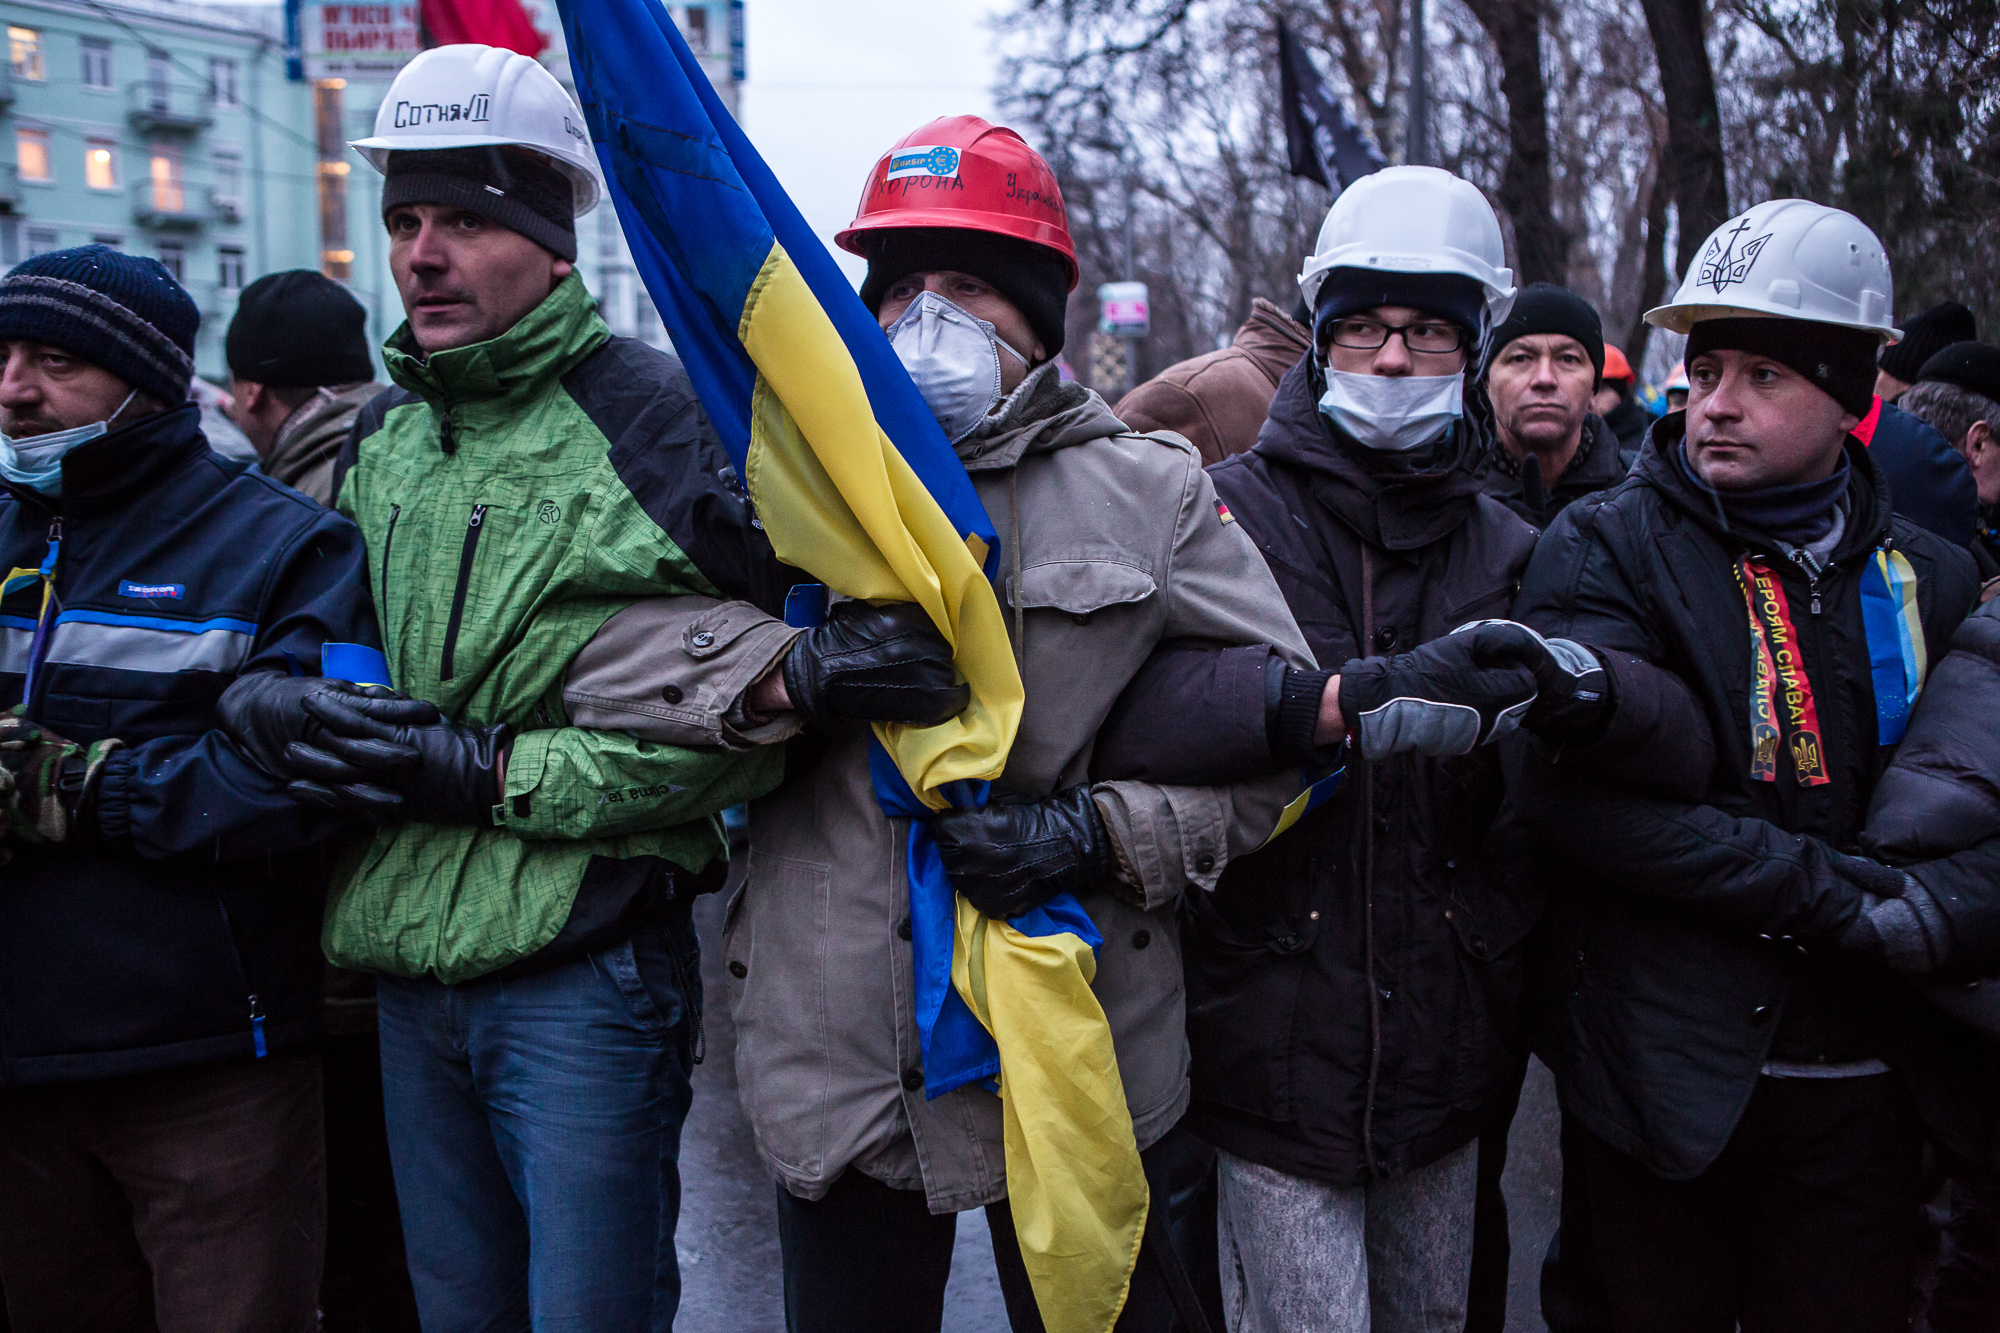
1353, 986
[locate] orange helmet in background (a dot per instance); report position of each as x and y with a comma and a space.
966, 173
1616, 367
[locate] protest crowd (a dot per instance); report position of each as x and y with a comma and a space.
1397, 698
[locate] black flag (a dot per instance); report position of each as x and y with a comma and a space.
1323, 144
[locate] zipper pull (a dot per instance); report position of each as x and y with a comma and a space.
257, 1026
445, 440
478, 516
1814, 585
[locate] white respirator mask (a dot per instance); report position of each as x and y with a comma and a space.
954, 358
35, 461
1393, 413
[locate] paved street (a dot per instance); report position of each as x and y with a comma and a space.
728, 1233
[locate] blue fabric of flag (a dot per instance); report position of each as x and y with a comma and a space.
1896, 654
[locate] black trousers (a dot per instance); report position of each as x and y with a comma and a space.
365, 1287
1807, 1223
871, 1259
1966, 1296
1492, 1252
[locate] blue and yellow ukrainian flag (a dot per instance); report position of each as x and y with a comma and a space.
856, 484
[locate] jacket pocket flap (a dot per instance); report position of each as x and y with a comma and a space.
1082, 586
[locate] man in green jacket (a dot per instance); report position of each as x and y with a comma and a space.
525, 900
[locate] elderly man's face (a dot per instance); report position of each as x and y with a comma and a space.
44, 388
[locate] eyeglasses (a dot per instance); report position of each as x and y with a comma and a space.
1431, 336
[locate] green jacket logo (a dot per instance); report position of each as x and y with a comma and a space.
549, 512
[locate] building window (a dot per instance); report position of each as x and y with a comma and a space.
96, 63
100, 163
41, 240
164, 170
228, 165
697, 29
222, 81
24, 52
173, 256
159, 65
31, 155
229, 268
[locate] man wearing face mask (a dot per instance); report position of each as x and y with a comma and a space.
1111, 543
161, 1144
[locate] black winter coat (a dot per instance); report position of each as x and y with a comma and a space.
1353, 987
1690, 943
1598, 466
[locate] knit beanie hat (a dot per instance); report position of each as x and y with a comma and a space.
122, 313
1349, 291
1925, 335
1972, 366
1543, 307
514, 187
1838, 360
298, 330
1032, 277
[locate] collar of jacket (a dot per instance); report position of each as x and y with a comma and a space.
1390, 509
1594, 467
316, 429
1272, 339
1868, 512
518, 366
1044, 413
124, 462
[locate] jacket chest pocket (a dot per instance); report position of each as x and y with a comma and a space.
1064, 601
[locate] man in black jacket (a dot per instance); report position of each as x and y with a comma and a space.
1745, 1085
160, 1124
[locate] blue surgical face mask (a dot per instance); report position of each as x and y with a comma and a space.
35, 461
1394, 414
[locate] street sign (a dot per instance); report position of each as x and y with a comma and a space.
369, 42
1123, 309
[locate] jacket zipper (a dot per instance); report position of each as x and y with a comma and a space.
388, 540
38, 646
256, 1003
465, 555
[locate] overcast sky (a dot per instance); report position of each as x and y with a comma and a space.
833, 85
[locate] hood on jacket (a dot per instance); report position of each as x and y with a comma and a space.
1384, 499
1867, 501
1044, 412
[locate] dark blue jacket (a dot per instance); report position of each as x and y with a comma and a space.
1929, 483
187, 929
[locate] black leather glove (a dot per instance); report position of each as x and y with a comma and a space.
1572, 691
1448, 697
1908, 933
265, 715
453, 775
1010, 857
874, 664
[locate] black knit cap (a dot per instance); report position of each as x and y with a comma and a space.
122, 313
1971, 366
514, 187
1543, 307
298, 330
1450, 296
1033, 278
1925, 334
1838, 360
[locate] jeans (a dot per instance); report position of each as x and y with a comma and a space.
534, 1125
192, 1201
1807, 1222
1390, 1256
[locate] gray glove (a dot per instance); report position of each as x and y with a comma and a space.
1907, 934
1572, 693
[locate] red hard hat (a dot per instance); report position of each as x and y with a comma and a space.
1616, 367
964, 172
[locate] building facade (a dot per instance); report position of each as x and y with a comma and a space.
164, 129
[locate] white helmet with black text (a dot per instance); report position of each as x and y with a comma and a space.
1414, 220
469, 96
1788, 259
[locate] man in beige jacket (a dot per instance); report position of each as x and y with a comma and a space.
299, 374
1112, 542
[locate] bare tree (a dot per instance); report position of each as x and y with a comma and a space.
1694, 121
1541, 243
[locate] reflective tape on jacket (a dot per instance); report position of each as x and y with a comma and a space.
149, 643
17, 636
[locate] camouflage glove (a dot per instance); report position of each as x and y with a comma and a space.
49, 782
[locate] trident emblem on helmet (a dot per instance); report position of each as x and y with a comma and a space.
1723, 264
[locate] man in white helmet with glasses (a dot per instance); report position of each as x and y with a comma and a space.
1746, 1078
525, 898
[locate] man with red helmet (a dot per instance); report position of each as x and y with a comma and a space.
1111, 542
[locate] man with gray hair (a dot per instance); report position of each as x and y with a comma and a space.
1958, 394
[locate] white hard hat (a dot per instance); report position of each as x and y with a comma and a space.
1789, 258
469, 95
1413, 220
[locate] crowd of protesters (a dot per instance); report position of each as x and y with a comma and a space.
356, 800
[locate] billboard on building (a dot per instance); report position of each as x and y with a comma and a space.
364, 42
